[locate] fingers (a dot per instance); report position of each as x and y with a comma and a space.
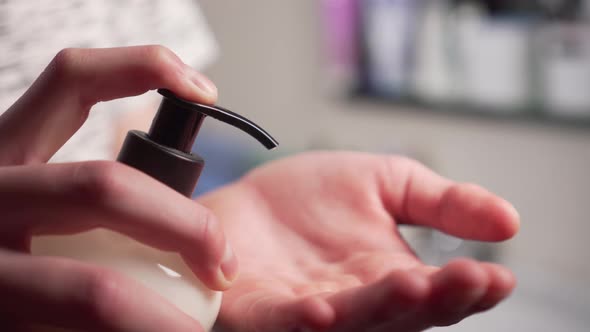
69, 198
57, 104
395, 297
464, 287
68, 294
464, 210
310, 313
455, 290
416, 299
501, 285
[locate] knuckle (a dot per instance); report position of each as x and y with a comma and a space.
65, 61
98, 182
394, 164
208, 234
162, 62
101, 295
395, 278
158, 53
396, 173
404, 161
68, 68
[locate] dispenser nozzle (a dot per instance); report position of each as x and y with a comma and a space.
178, 122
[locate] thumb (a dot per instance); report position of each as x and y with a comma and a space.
58, 102
460, 209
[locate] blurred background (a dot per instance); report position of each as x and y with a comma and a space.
492, 92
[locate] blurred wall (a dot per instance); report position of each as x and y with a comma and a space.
270, 69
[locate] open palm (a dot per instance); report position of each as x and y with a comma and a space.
316, 237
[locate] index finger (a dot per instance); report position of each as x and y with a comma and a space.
57, 104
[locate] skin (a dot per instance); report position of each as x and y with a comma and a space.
322, 250
316, 234
39, 198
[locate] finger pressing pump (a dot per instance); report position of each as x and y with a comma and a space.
165, 151
165, 154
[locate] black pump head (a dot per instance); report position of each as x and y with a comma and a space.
164, 152
178, 122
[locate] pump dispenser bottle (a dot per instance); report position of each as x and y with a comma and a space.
165, 154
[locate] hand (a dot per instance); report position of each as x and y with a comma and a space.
37, 198
317, 240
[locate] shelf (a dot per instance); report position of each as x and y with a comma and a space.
524, 116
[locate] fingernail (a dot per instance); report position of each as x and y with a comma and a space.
202, 83
229, 264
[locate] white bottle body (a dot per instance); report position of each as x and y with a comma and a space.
164, 273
